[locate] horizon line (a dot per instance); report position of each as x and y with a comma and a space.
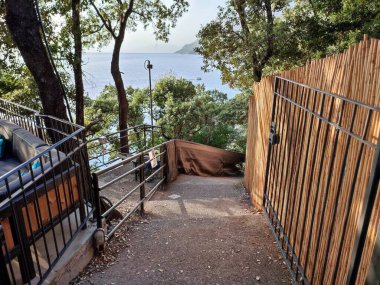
110, 52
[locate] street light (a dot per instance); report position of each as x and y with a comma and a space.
149, 67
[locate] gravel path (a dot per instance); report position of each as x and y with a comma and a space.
197, 231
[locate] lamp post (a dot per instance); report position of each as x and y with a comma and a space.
149, 67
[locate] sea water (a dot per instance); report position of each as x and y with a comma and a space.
97, 71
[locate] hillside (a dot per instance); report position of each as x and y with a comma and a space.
189, 48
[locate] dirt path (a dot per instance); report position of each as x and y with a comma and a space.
197, 231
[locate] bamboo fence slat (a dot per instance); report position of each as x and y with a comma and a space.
319, 208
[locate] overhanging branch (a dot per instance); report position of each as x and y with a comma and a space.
104, 21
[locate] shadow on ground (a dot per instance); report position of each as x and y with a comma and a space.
197, 231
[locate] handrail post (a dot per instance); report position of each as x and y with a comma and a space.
38, 126
152, 131
142, 179
100, 233
3, 265
97, 212
144, 137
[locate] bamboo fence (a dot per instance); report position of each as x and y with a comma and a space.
353, 74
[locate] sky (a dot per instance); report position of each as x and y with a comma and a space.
199, 13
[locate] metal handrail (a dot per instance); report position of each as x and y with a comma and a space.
42, 174
125, 130
114, 150
147, 197
20, 106
126, 161
31, 160
66, 169
361, 104
128, 172
141, 185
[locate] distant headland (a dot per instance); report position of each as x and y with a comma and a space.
189, 48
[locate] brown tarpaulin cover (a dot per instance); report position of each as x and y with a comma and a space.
201, 160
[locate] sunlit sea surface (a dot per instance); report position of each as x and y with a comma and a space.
97, 71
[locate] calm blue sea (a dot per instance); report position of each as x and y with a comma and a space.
97, 71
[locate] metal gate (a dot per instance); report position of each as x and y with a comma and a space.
322, 177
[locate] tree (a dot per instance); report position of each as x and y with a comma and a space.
190, 112
105, 108
116, 16
24, 28
183, 110
16, 82
320, 28
19, 87
241, 40
252, 38
77, 62
169, 88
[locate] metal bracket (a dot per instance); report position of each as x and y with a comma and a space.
274, 138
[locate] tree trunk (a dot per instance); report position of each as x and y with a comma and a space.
21, 19
77, 64
121, 95
270, 33
115, 71
257, 69
257, 74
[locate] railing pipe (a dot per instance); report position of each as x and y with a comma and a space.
97, 212
3, 264
127, 160
142, 179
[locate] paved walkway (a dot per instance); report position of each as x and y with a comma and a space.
197, 231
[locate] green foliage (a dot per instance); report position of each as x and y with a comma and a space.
16, 82
249, 38
19, 87
171, 90
241, 40
105, 109
184, 110
107, 20
190, 112
326, 27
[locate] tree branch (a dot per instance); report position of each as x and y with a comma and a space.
94, 31
270, 34
104, 21
141, 14
239, 7
124, 19
129, 11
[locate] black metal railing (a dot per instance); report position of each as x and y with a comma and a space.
320, 143
44, 207
46, 199
106, 150
146, 168
24, 117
